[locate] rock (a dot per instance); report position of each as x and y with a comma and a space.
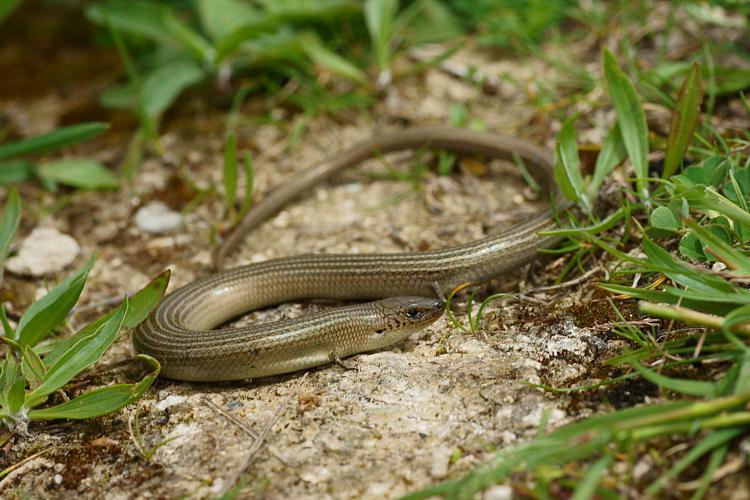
441, 458
156, 217
45, 251
170, 401
498, 492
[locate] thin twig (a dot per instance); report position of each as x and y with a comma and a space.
239, 423
252, 454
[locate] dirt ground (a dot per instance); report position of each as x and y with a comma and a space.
428, 409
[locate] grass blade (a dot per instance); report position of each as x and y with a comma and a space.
247, 200
631, 118
230, 173
9, 225
683, 386
326, 58
685, 119
100, 401
56, 139
587, 487
47, 313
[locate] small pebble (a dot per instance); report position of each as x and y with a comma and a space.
58, 479
498, 492
169, 401
440, 462
44, 252
156, 217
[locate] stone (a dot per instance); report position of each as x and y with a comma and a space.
44, 252
157, 218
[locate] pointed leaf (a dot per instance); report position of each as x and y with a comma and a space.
81, 355
568, 165
47, 313
631, 118
9, 225
16, 395
326, 58
141, 304
685, 119
32, 368
80, 173
230, 172
100, 401
56, 139
683, 386
612, 153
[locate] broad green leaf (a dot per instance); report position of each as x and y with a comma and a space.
15, 171
230, 172
8, 225
740, 188
8, 376
683, 386
717, 244
132, 16
47, 313
79, 173
743, 378
162, 86
663, 218
221, 17
247, 32
612, 153
691, 247
100, 401
710, 172
32, 368
380, 16
631, 118
568, 165
141, 304
56, 139
685, 119
80, 356
326, 58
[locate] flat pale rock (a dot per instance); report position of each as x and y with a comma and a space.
157, 218
45, 251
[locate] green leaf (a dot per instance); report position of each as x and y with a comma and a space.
80, 356
132, 16
685, 119
326, 58
190, 40
567, 169
663, 218
230, 172
32, 368
221, 17
16, 395
100, 401
79, 173
717, 245
8, 225
380, 16
612, 153
141, 305
710, 172
683, 386
691, 247
162, 86
586, 488
7, 329
47, 313
15, 171
247, 32
56, 139
631, 118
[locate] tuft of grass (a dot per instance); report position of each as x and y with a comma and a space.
37, 366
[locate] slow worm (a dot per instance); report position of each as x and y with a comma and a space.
181, 331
